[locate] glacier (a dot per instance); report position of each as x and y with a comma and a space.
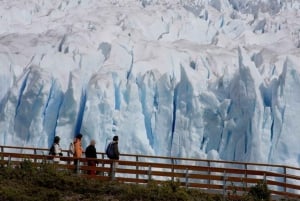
215, 79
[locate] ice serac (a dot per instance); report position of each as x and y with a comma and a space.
69, 119
245, 103
285, 129
30, 109
187, 117
215, 79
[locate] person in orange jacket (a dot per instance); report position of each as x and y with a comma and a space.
78, 149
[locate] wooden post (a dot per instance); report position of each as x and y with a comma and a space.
284, 179
113, 170
2, 150
172, 161
137, 167
34, 152
9, 161
149, 173
102, 156
246, 175
186, 178
208, 165
224, 185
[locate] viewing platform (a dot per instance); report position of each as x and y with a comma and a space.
215, 176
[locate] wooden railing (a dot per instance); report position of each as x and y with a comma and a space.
216, 176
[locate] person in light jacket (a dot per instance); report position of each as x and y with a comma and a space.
56, 150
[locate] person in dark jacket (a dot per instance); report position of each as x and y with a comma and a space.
116, 154
90, 152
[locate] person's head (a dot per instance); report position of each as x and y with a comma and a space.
56, 139
78, 136
93, 142
115, 138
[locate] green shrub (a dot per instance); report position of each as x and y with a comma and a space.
260, 192
49, 183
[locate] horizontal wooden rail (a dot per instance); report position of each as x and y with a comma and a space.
222, 176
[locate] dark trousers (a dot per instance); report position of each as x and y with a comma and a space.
113, 166
76, 163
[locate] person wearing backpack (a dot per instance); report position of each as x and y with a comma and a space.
55, 149
112, 152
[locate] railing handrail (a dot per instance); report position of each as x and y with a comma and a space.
168, 158
216, 177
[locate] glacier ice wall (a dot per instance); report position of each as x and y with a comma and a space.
173, 78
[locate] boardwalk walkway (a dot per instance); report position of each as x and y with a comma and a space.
217, 176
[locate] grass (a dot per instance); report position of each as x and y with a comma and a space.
47, 183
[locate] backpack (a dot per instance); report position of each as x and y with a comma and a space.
51, 151
110, 150
71, 148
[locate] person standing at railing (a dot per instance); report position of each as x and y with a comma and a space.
78, 150
56, 150
90, 152
112, 152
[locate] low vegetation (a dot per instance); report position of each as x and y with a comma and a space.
47, 183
